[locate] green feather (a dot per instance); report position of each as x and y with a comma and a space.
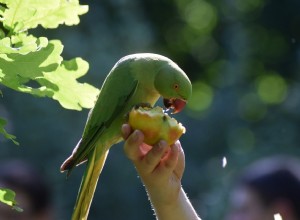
135, 79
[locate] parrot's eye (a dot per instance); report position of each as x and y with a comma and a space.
176, 86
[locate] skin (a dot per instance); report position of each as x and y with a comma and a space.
135, 79
161, 168
246, 205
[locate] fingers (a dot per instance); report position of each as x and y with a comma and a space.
126, 131
147, 159
154, 156
133, 143
180, 166
172, 157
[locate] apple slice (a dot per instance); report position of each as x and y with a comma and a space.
155, 124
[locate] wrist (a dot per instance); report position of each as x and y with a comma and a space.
178, 208
166, 198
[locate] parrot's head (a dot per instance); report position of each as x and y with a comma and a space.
173, 85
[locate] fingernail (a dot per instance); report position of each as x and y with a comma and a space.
161, 145
174, 147
135, 135
124, 129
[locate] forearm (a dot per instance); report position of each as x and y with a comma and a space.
161, 168
179, 209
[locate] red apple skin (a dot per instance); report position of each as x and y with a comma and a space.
155, 125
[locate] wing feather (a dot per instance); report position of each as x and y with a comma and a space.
116, 92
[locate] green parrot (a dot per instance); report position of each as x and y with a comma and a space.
135, 79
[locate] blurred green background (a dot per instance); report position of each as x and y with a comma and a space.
243, 58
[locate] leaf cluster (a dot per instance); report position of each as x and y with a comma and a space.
34, 65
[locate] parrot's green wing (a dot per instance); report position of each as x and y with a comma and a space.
117, 89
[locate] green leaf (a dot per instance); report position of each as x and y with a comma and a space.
46, 75
7, 135
70, 93
2, 34
22, 44
1, 12
16, 75
67, 12
22, 15
7, 197
34, 65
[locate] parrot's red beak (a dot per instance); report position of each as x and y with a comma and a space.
176, 104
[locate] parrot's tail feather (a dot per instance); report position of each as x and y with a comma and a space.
88, 185
67, 164
72, 161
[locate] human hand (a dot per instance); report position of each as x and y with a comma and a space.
160, 166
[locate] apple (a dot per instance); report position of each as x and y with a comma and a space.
155, 124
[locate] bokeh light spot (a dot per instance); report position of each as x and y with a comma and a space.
248, 5
271, 88
201, 16
202, 97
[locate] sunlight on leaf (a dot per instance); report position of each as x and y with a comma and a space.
53, 77
46, 74
35, 65
7, 197
22, 44
70, 93
51, 13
